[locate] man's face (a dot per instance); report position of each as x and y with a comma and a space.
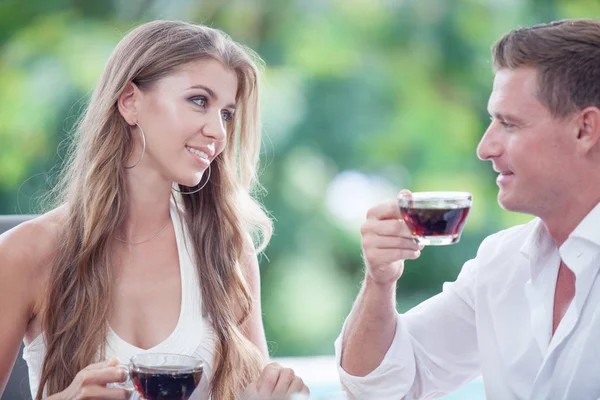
529, 148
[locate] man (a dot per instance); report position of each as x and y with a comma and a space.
525, 312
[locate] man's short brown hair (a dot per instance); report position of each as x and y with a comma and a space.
566, 55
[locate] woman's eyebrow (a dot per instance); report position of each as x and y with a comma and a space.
211, 93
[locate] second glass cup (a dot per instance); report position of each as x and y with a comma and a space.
435, 218
161, 376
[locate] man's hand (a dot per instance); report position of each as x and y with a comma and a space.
387, 242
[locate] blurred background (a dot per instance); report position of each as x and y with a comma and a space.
361, 98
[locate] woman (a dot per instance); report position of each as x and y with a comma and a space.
150, 248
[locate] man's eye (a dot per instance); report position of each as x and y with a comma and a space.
507, 125
199, 100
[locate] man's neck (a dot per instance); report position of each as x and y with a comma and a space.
561, 222
563, 294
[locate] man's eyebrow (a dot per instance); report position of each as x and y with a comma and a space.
503, 116
211, 93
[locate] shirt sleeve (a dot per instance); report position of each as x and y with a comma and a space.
434, 350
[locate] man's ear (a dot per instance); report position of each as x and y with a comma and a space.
127, 103
589, 128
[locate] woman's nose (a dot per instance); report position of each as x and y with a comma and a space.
215, 127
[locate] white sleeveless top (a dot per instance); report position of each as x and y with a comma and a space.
193, 335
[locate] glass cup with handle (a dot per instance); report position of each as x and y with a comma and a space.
162, 376
435, 218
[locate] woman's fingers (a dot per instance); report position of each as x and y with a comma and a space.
101, 392
277, 383
268, 379
298, 386
91, 383
102, 376
286, 377
103, 364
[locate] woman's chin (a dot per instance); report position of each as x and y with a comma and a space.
191, 180
189, 184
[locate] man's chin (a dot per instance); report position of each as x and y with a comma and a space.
508, 203
514, 205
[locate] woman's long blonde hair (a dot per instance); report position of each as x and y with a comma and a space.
219, 217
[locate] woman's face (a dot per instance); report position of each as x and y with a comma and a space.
185, 118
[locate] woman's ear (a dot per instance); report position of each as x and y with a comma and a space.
127, 103
589, 128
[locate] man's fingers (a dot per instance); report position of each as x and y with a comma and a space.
405, 193
386, 227
387, 210
384, 257
386, 242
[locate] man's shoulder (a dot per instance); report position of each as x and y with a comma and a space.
517, 232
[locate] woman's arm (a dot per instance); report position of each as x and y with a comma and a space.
275, 381
253, 327
24, 262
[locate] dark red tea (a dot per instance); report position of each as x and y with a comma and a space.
166, 383
435, 221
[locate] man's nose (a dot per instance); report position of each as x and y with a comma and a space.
489, 146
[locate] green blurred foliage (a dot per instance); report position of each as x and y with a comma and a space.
361, 98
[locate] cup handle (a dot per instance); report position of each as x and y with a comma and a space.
127, 384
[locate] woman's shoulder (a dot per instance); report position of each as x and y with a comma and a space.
29, 246
26, 255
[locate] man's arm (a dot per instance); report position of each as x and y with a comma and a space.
370, 328
431, 350
386, 242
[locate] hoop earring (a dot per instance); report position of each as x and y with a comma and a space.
143, 148
197, 190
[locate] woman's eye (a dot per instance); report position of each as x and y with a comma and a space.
226, 115
200, 100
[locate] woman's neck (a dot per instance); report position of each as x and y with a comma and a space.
148, 204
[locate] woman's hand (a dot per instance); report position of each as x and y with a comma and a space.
90, 383
276, 383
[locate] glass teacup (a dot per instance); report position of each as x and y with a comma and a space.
161, 376
435, 218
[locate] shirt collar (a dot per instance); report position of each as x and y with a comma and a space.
588, 228
539, 239
538, 247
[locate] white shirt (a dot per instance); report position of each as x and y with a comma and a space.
495, 320
193, 335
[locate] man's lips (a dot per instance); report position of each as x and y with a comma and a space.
504, 177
